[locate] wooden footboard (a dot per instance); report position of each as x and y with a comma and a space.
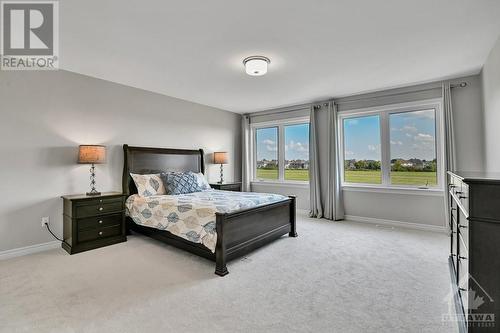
240, 232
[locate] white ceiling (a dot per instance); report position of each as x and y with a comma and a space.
318, 49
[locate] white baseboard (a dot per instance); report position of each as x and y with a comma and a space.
398, 224
22, 251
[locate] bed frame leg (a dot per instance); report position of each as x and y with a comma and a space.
293, 227
127, 227
220, 247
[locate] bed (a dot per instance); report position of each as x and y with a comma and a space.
247, 222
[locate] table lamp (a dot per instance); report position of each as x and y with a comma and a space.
220, 157
92, 154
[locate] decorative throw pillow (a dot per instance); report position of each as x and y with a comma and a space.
202, 181
180, 182
148, 185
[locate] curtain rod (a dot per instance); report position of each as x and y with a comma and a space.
459, 85
339, 101
280, 110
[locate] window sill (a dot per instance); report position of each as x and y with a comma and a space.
278, 183
394, 190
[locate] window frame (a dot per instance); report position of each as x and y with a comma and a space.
384, 113
280, 125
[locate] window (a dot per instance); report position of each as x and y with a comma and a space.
413, 148
267, 153
392, 147
281, 151
297, 152
362, 150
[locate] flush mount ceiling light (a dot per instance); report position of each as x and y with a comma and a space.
256, 65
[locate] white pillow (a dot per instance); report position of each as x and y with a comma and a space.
148, 185
202, 181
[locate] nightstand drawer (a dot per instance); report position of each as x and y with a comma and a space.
99, 221
99, 209
93, 234
227, 187
231, 188
99, 201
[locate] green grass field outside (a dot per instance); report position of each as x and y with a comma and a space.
397, 177
352, 176
290, 174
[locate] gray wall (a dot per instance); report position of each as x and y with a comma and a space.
46, 115
410, 207
491, 104
301, 192
468, 125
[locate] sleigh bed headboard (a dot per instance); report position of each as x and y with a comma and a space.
143, 160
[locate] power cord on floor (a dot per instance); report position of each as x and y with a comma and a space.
47, 225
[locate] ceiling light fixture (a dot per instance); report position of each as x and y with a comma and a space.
256, 65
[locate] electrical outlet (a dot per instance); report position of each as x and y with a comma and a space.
45, 220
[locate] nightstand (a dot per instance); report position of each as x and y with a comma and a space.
227, 186
90, 222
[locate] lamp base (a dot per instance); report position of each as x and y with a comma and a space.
93, 191
221, 175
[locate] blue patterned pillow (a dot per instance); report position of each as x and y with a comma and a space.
180, 182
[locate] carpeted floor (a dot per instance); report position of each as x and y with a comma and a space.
335, 277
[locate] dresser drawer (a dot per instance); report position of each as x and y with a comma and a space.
463, 221
463, 237
463, 283
463, 197
99, 221
454, 244
93, 234
99, 209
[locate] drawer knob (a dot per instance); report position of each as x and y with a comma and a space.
100, 233
462, 226
101, 208
100, 221
100, 200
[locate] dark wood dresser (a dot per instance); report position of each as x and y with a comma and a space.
90, 222
474, 213
227, 186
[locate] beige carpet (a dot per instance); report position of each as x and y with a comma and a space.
335, 277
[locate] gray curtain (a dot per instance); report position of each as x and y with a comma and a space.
449, 141
325, 193
316, 207
245, 154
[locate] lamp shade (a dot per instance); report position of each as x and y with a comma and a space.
220, 157
91, 154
